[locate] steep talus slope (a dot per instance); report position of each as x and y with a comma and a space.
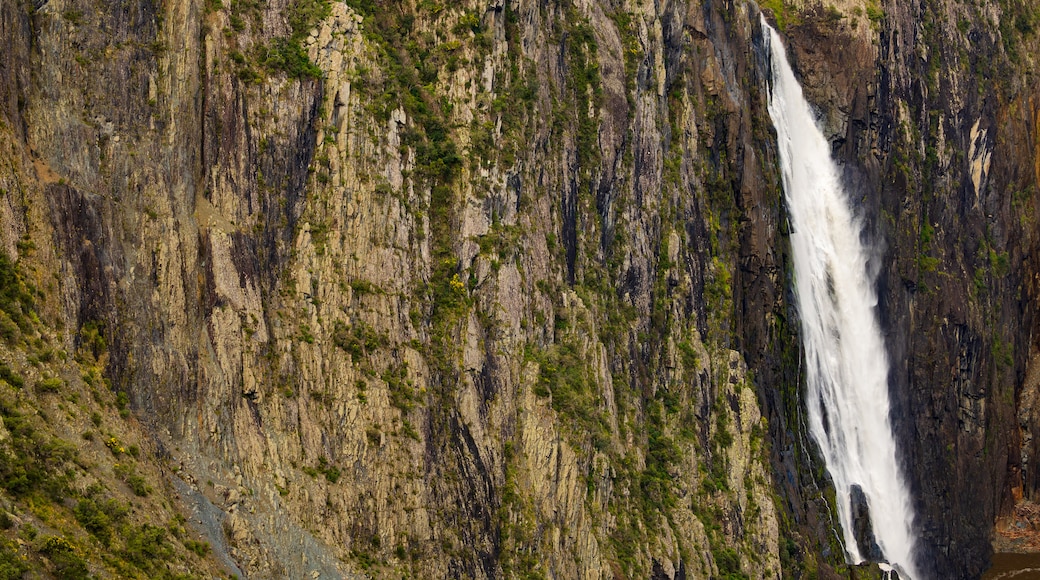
482, 290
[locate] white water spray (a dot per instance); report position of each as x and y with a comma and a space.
846, 361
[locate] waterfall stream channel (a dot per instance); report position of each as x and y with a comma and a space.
846, 395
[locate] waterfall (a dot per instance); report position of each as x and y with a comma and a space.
846, 362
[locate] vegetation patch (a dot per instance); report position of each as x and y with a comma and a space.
564, 375
402, 390
16, 301
31, 462
784, 13
100, 516
281, 55
359, 339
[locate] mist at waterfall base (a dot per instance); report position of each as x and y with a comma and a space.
846, 361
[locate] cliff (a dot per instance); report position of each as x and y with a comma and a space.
941, 133
491, 289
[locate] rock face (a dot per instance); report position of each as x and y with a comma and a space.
864, 528
945, 98
481, 290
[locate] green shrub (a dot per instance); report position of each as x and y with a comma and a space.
123, 404
304, 15
147, 548
50, 385
305, 334
201, 549
16, 300
690, 359
12, 567
360, 339
68, 565
874, 13
287, 56
33, 462
8, 329
10, 377
402, 392
92, 339
468, 22
728, 562
362, 287
100, 516
135, 482
331, 472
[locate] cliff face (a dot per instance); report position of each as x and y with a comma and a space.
482, 290
941, 135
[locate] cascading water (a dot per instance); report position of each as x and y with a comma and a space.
846, 362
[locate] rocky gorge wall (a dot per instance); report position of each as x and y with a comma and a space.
501, 289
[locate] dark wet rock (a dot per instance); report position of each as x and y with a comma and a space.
863, 528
